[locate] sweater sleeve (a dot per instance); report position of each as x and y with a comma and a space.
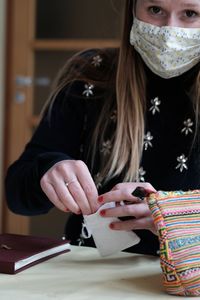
58, 137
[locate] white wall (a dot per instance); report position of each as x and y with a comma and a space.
2, 90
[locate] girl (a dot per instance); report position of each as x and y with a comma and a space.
118, 119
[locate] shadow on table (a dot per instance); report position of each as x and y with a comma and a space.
132, 259
149, 283
145, 284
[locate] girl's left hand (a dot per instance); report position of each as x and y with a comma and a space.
135, 208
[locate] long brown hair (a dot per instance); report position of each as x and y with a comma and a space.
131, 105
130, 97
125, 79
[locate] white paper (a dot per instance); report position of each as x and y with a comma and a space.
109, 241
24, 262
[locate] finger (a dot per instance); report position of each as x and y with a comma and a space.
135, 210
117, 196
89, 188
123, 192
132, 186
79, 196
48, 189
134, 224
61, 186
65, 196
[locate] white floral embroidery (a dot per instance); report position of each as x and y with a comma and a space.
187, 127
141, 174
97, 60
106, 147
147, 140
88, 90
98, 180
182, 162
80, 241
113, 116
155, 105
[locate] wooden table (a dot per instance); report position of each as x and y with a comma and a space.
83, 275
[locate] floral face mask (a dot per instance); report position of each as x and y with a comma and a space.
167, 51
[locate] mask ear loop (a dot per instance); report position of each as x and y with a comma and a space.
134, 8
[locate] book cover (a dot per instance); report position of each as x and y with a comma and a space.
18, 252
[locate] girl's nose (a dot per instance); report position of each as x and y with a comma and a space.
172, 21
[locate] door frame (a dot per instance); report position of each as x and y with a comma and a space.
2, 97
18, 103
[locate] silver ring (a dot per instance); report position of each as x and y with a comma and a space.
67, 183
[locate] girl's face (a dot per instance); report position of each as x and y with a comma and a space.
176, 13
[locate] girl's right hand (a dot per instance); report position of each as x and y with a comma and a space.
70, 187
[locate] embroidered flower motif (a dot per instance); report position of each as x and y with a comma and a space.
113, 116
80, 241
97, 60
187, 127
98, 180
147, 140
88, 90
182, 162
155, 105
141, 174
106, 147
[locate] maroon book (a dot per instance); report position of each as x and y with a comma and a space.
18, 252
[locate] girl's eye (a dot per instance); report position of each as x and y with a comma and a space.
156, 10
190, 14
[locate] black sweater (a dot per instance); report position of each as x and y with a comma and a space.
66, 134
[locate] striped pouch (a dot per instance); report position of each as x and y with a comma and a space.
177, 219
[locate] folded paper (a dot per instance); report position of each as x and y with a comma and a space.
109, 241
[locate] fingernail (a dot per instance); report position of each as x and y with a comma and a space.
100, 199
111, 225
102, 212
66, 210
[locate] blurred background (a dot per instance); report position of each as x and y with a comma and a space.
36, 39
